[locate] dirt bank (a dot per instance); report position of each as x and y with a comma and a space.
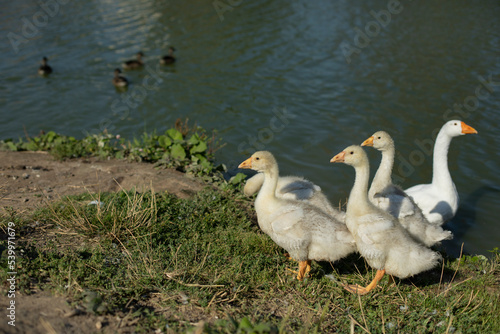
30, 179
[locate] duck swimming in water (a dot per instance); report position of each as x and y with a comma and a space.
44, 69
168, 59
119, 80
134, 63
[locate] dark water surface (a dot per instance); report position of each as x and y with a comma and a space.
301, 79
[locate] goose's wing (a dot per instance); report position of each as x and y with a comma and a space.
288, 222
395, 201
436, 204
289, 187
296, 188
424, 195
288, 231
374, 236
417, 189
373, 227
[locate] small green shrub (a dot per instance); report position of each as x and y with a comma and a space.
187, 149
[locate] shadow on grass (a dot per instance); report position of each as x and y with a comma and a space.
355, 265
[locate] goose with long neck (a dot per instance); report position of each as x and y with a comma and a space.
439, 199
392, 199
296, 188
380, 238
303, 230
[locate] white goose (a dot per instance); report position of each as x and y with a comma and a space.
392, 199
380, 238
439, 199
305, 231
295, 188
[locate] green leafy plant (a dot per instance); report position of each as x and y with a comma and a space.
188, 149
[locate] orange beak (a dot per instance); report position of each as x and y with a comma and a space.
339, 157
368, 142
467, 129
246, 164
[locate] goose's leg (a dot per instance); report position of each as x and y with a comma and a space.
354, 288
304, 268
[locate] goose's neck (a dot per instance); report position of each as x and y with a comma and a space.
440, 172
358, 198
268, 190
383, 176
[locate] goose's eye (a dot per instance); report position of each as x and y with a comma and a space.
257, 158
455, 124
352, 152
379, 137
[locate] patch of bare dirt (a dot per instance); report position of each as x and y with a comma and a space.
42, 313
30, 179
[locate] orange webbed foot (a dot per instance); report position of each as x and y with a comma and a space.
304, 269
360, 290
355, 288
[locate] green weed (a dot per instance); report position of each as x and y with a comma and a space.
189, 149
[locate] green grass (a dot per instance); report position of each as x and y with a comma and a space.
173, 262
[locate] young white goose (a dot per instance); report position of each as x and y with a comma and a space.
439, 199
305, 231
296, 188
392, 199
380, 238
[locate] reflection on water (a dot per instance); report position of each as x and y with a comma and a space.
415, 69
